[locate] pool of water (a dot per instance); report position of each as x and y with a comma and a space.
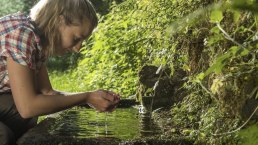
123, 123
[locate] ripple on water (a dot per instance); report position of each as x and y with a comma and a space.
123, 123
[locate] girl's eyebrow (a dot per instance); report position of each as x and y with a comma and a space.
83, 36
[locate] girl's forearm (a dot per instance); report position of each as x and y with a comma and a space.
44, 104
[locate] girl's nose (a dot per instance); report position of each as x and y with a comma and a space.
77, 47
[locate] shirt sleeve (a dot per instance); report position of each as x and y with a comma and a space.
19, 44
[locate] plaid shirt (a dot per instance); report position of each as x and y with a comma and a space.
19, 41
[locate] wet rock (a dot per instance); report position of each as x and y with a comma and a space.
167, 87
125, 103
148, 75
249, 108
250, 89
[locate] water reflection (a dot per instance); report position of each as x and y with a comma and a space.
124, 123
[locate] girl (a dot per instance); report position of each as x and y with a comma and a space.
54, 27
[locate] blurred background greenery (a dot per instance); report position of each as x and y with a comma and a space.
12, 6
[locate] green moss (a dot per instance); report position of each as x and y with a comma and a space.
249, 135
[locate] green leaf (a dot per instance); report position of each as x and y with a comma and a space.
200, 76
216, 16
218, 65
235, 50
236, 16
215, 30
256, 20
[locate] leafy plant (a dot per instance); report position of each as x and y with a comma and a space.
214, 42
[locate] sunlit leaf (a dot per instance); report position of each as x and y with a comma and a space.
200, 76
218, 65
215, 30
216, 16
235, 50
237, 16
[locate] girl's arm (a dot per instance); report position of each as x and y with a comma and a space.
30, 103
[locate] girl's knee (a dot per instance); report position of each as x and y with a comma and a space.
6, 135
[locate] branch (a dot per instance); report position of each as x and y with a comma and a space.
205, 89
227, 36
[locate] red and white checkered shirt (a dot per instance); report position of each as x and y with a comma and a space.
19, 41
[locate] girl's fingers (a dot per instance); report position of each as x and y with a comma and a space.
116, 96
113, 97
109, 101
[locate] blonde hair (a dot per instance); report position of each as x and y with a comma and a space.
46, 15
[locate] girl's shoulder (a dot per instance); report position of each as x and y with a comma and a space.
19, 40
15, 21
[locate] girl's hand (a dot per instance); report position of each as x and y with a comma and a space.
103, 100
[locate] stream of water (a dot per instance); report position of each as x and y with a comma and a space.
123, 123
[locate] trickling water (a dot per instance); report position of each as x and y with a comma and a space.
123, 123
106, 127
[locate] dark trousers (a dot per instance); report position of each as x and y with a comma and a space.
12, 125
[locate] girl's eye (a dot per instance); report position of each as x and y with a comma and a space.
75, 39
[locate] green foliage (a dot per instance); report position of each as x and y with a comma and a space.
221, 61
249, 135
66, 82
66, 62
214, 42
8, 6
216, 16
249, 5
103, 6
131, 35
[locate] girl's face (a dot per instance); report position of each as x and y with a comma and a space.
72, 36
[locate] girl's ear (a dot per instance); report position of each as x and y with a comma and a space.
61, 20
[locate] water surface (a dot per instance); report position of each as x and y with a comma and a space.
123, 123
